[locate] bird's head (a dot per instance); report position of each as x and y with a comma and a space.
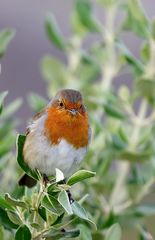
67, 118
69, 102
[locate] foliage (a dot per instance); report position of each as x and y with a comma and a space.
8, 124
122, 115
46, 212
122, 118
6, 36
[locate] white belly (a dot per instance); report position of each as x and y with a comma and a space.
46, 158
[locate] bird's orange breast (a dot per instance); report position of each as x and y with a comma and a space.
62, 125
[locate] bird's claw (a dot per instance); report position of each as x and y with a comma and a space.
71, 200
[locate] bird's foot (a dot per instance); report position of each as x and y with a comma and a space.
45, 180
71, 200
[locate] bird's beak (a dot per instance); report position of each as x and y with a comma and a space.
73, 111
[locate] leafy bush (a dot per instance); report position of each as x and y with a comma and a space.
122, 117
122, 149
8, 124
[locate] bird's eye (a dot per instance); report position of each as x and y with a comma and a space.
61, 104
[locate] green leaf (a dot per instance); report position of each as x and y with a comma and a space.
98, 235
6, 35
18, 192
23, 233
118, 143
58, 220
135, 156
63, 234
88, 70
52, 191
145, 209
13, 216
36, 102
123, 135
35, 225
2, 232
146, 87
114, 232
15, 202
54, 72
85, 232
124, 93
4, 204
20, 159
113, 112
53, 32
2, 97
72, 233
107, 3
80, 176
131, 59
77, 26
64, 201
52, 205
136, 19
5, 221
42, 213
11, 108
144, 234
79, 211
7, 143
84, 12
145, 52
1, 109
83, 199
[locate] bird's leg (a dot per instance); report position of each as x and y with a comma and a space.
71, 200
45, 180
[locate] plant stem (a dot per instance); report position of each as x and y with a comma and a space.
145, 190
73, 60
150, 69
35, 217
109, 69
124, 167
118, 196
51, 227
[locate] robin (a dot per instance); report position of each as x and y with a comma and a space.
58, 137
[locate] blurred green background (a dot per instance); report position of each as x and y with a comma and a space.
106, 49
21, 62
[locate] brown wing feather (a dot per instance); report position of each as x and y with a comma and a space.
36, 116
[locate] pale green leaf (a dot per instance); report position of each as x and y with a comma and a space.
79, 211
64, 201
84, 11
53, 31
6, 35
80, 176
114, 232
14, 202
14, 217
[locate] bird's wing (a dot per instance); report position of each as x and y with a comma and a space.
35, 117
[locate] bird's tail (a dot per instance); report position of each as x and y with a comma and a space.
25, 180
